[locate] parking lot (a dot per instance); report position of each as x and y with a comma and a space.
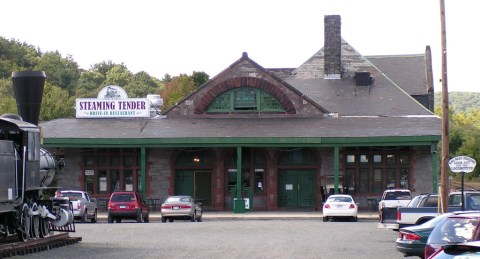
272, 238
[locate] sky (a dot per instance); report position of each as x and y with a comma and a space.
182, 36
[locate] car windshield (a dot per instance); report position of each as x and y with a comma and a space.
414, 202
339, 199
178, 199
72, 195
123, 197
398, 195
453, 230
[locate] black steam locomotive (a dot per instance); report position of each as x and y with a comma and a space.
25, 210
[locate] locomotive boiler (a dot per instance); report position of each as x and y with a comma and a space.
26, 169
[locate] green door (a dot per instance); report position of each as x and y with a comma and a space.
197, 184
184, 181
297, 188
203, 187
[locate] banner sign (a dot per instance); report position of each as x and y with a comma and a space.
112, 108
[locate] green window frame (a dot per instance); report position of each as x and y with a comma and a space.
245, 100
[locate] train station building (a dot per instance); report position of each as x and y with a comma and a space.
282, 138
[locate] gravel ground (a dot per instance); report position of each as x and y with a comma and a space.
230, 239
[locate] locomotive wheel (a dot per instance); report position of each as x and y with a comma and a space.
25, 224
44, 228
35, 228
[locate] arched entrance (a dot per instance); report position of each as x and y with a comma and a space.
193, 175
297, 178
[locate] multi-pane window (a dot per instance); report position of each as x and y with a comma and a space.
245, 99
253, 168
109, 170
372, 170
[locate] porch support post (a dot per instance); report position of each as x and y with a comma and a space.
239, 203
143, 169
336, 167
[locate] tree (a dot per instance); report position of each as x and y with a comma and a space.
56, 103
118, 75
464, 135
89, 83
199, 78
16, 56
177, 88
7, 99
105, 66
142, 84
60, 71
166, 78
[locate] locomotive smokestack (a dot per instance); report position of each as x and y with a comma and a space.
28, 88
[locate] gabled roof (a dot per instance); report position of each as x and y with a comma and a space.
407, 71
245, 72
383, 98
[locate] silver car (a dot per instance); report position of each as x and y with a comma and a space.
181, 207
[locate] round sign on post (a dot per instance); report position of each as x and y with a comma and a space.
462, 164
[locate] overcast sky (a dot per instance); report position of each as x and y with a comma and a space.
178, 36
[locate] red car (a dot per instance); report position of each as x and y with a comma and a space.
127, 205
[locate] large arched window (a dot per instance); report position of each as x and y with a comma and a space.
245, 99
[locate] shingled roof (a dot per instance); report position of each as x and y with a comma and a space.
319, 109
383, 98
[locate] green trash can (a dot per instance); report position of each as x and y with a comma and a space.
244, 204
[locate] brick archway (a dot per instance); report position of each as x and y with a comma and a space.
245, 81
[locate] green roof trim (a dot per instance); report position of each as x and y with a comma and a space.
250, 142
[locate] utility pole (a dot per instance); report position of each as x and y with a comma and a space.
445, 114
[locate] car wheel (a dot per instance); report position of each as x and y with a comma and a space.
325, 218
139, 217
110, 219
84, 216
146, 218
170, 220
94, 218
193, 217
355, 219
118, 220
164, 219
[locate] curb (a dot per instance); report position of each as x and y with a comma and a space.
214, 216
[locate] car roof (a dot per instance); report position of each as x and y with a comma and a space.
76, 191
340, 195
473, 214
397, 190
470, 191
122, 192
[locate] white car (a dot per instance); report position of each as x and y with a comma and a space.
341, 206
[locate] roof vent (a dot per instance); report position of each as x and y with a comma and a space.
363, 79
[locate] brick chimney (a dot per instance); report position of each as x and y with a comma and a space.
332, 47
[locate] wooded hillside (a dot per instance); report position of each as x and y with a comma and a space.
460, 101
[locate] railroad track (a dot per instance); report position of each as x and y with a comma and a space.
37, 245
